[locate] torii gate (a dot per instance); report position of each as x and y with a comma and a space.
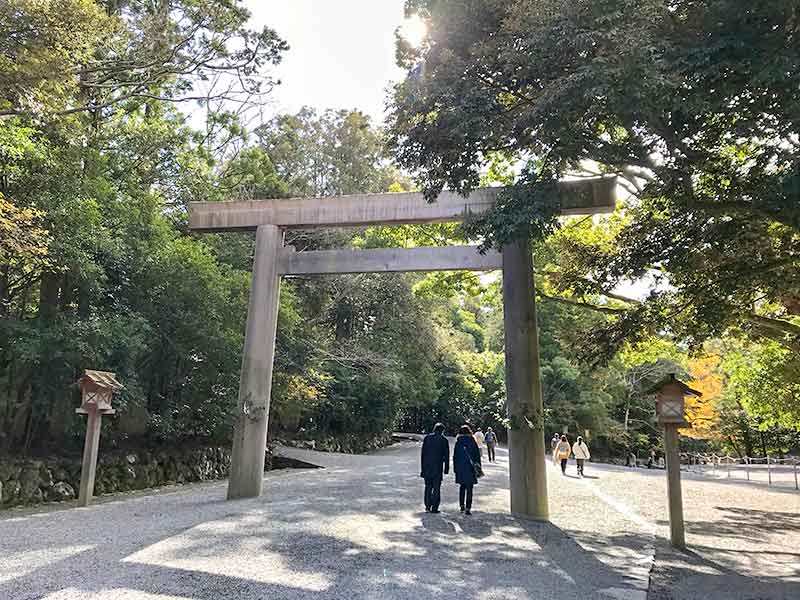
528, 481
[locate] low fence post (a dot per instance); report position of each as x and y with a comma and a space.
747, 466
769, 471
794, 467
728, 464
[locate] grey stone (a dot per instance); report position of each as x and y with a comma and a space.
29, 483
45, 477
61, 490
11, 490
9, 470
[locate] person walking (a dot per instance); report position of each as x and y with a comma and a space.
581, 452
491, 443
466, 466
479, 439
553, 443
562, 453
435, 459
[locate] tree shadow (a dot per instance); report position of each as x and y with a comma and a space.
692, 575
744, 523
326, 535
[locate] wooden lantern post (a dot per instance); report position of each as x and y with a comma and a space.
671, 410
97, 388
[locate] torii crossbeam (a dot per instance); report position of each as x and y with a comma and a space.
269, 218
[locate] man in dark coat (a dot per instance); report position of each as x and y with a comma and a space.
435, 464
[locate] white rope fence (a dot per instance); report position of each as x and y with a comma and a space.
778, 471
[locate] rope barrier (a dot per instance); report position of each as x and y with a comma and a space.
696, 462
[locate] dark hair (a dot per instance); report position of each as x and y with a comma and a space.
438, 428
465, 430
580, 440
564, 438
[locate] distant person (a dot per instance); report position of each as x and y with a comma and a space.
632, 460
479, 439
562, 453
553, 444
466, 466
435, 459
651, 460
581, 452
491, 443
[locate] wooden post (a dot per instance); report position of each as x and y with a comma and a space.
769, 472
250, 430
675, 498
90, 450
527, 468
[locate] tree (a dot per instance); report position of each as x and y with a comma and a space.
703, 412
96, 166
336, 153
62, 57
23, 249
692, 105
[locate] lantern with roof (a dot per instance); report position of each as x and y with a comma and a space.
671, 396
97, 388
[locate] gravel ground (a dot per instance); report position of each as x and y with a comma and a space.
356, 530
743, 537
352, 530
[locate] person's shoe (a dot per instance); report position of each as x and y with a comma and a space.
427, 509
435, 511
461, 509
467, 512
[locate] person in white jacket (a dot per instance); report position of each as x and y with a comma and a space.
479, 439
581, 452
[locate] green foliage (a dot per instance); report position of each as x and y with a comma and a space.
765, 380
692, 105
335, 153
97, 269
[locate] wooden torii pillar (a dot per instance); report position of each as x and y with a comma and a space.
270, 217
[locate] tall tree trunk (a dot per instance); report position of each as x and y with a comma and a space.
20, 420
735, 446
48, 296
748, 440
3, 291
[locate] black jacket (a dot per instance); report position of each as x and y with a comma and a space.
465, 454
435, 456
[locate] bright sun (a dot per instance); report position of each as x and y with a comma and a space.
413, 30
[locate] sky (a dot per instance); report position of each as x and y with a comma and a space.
341, 56
341, 52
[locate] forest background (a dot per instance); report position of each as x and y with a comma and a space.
98, 162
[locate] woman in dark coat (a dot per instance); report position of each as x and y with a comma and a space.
466, 454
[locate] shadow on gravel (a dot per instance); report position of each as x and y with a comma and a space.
691, 575
325, 534
744, 523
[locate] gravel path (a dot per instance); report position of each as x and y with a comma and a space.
351, 530
743, 537
355, 530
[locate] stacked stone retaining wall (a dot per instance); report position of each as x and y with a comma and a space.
25, 481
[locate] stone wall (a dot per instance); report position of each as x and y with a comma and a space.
31, 481
347, 444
